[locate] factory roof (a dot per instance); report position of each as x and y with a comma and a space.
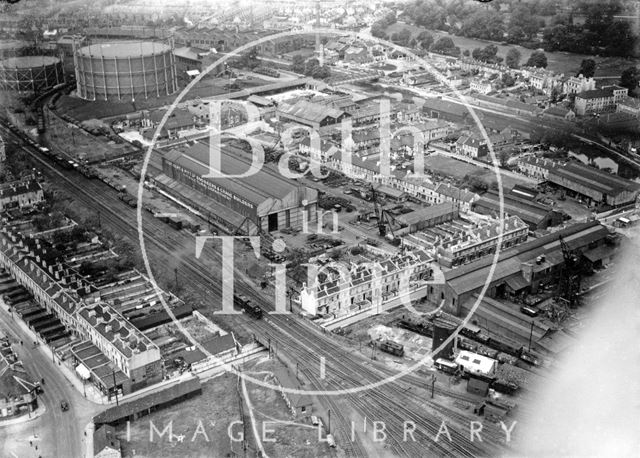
473, 276
593, 178
527, 210
28, 61
426, 214
123, 49
256, 188
313, 112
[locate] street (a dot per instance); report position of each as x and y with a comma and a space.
59, 434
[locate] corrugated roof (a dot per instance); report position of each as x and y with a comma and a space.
127, 408
592, 178
427, 213
313, 112
472, 276
256, 189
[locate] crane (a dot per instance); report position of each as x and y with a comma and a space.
570, 274
384, 219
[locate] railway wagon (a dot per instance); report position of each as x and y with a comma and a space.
391, 347
446, 366
248, 306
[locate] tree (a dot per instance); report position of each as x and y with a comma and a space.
513, 58
444, 45
537, 59
487, 54
424, 39
403, 36
504, 156
630, 78
466, 53
508, 80
298, 63
587, 68
483, 24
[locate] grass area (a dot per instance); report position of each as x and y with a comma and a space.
83, 146
559, 62
457, 170
209, 414
292, 436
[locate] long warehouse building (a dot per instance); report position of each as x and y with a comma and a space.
596, 186
262, 202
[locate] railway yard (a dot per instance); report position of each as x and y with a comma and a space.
319, 251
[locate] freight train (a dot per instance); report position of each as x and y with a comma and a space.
473, 337
247, 305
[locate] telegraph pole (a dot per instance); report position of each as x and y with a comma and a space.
530, 335
115, 388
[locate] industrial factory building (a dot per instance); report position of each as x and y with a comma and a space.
30, 73
264, 201
125, 71
524, 267
594, 185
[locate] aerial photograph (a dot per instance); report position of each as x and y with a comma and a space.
319, 228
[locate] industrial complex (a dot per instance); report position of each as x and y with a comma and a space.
320, 213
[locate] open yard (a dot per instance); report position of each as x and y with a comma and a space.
83, 110
199, 425
457, 170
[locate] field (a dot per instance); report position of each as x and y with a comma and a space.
199, 425
458, 170
559, 62
292, 436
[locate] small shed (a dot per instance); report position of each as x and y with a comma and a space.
105, 443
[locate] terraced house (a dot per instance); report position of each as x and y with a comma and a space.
341, 289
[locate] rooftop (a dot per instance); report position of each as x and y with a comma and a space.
256, 188
426, 213
472, 276
28, 62
314, 112
124, 49
593, 178
527, 210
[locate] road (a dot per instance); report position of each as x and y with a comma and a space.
60, 434
177, 248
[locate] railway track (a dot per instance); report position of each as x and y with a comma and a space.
391, 403
344, 369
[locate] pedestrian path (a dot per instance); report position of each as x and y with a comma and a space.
26, 417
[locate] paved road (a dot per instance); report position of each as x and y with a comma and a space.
60, 434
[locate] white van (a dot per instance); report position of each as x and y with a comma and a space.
314, 420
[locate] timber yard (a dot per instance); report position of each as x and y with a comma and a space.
356, 237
